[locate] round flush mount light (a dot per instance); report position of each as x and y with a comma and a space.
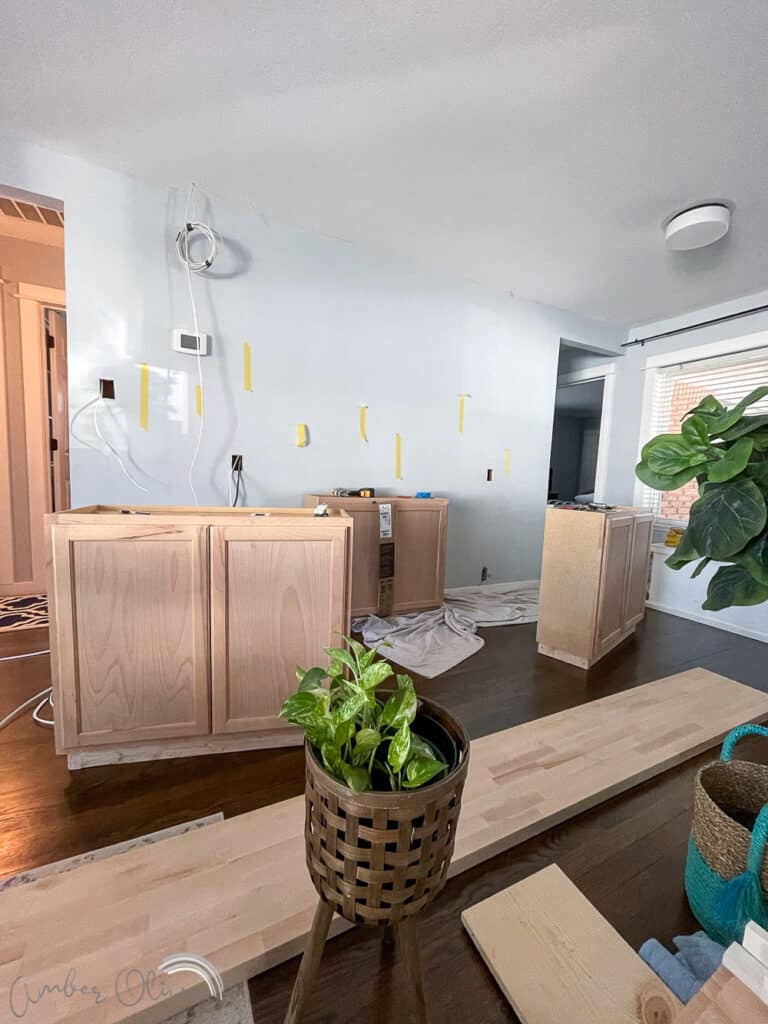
697, 227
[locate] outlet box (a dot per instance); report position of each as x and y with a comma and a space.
237, 463
106, 388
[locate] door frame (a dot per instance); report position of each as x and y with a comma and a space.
606, 372
33, 299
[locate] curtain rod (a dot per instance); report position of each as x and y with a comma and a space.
695, 327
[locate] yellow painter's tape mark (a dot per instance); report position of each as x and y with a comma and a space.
363, 424
462, 409
301, 435
507, 463
199, 399
247, 366
144, 397
398, 457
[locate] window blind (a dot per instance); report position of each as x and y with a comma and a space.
679, 388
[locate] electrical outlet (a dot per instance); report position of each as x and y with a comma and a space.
237, 463
106, 388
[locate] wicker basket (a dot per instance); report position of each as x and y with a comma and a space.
726, 851
379, 857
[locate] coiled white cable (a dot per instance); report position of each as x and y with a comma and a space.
195, 267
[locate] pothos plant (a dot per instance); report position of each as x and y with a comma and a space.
726, 450
360, 738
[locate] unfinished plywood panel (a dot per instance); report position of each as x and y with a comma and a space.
239, 892
131, 632
277, 600
557, 959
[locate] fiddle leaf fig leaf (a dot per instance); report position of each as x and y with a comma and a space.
669, 454
733, 462
683, 554
421, 770
707, 407
733, 585
754, 558
664, 483
399, 747
745, 425
758, 471
700, 567
694, 431
726, 517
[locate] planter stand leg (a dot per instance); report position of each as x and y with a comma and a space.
408, 944
310, 962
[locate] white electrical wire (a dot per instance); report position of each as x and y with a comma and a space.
195, 267
126, 472
30, 654
36, 714
44, 694
74, 419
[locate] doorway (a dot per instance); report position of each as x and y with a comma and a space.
581, 426
34, 442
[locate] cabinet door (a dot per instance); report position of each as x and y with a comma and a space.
617, 547
419, 555
131, 632
278, 597
637, 575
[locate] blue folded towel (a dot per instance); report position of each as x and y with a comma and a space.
684, 972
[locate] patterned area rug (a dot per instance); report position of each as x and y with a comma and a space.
27, 612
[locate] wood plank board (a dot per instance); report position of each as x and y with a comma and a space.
239, 893
557, 959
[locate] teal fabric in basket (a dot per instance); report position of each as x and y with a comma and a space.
723, 907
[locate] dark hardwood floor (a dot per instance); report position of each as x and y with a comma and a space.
626, 855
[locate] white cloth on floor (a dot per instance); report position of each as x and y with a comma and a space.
430, 643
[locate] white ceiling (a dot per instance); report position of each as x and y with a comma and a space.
531, 146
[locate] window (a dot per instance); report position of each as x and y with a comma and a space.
677, 389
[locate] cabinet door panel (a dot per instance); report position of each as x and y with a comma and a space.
419, 556
637, 577
613, 581
278, 598
132, 632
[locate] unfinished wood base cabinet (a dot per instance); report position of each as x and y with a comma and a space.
173, 628
419, 528
594, 577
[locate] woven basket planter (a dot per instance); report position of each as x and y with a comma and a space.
728, 841
377, 858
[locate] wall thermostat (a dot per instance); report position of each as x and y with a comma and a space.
191, 343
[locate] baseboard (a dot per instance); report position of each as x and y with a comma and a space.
708, 620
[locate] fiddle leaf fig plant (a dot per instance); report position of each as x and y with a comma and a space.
360, 738
726, 451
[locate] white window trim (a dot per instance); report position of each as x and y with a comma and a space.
607, 373
691, 354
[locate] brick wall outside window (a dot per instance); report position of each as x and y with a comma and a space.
677, 504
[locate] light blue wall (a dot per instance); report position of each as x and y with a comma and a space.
630, 379
331, 325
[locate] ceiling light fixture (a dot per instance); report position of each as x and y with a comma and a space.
697, 227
